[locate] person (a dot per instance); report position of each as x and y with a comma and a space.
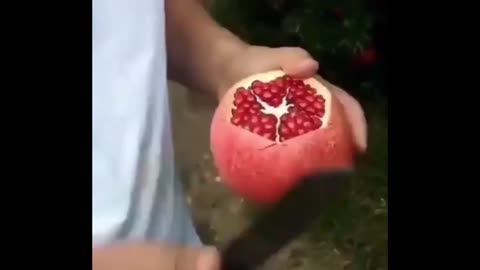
139, 219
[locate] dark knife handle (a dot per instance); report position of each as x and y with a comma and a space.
283, 222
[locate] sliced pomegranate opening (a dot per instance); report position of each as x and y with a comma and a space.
278, 109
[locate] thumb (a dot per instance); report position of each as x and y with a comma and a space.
295, 61
201, 258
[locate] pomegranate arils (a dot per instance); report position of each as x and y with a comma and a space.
271, 93
305, 108
236, 120
256, 83
296, 123
317, 123
318, 105
305, 98
248, 114
279, 82
268, 126
274, 89
276, 102
297, 82
286, 78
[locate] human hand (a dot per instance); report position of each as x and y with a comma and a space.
154, 257
296, 62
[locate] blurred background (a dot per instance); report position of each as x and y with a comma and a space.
348, 38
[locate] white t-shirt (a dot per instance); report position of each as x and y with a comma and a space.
135, 192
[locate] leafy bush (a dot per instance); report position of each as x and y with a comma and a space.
338, 33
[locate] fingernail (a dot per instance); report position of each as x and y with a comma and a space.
309, 67
363, 144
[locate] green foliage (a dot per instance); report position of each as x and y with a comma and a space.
333, 31
358, 225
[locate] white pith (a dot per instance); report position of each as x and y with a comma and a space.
283, 108
278, 111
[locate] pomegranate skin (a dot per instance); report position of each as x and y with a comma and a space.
261, 170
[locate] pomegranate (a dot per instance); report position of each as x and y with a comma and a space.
366, 58
271, 130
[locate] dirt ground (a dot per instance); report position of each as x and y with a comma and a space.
218, 215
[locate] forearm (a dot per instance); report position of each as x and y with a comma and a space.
154, 256
198, 48
132, 257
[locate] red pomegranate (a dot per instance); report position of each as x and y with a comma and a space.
366, 58
270, 130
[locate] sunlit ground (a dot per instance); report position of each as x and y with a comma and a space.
351, 235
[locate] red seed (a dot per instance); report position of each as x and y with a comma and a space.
317, 105
310, 110
291, 125
276, 102
307, 125
256, 83
266, 95
238, 101
257, 106
279, 83
299, 121
316, 122
236, 120
297, 82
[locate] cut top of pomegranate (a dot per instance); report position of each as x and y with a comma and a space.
279, 107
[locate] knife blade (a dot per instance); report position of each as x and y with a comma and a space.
284, 221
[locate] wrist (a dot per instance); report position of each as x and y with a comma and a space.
222, 73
